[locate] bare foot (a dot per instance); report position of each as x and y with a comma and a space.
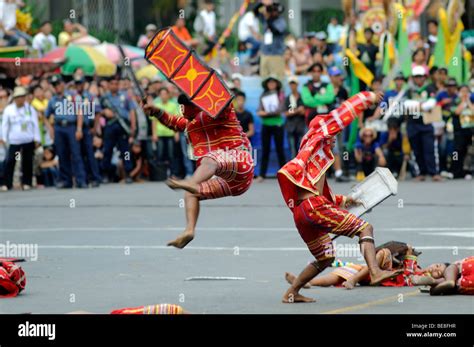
290, 278
437, 178
348, 284
182, 240
291, 297
420, 178
382, 276
182, 184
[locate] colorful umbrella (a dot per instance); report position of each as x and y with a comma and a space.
112, 53
85, 57
150, 72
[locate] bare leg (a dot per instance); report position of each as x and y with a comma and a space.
205, 171
352, 281
326, 280
191, 203
377, 275
292, 294
337, 162
290, 278
363, 274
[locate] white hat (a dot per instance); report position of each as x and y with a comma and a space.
151, 27
236, 75
418, 71
293, 79
19, 91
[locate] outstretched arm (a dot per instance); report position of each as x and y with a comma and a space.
341, 117
172, 122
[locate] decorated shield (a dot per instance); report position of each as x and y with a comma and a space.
182, 67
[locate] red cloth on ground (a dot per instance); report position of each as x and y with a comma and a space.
12, 279
151, 309
466, 280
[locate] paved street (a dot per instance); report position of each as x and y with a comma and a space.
105, 248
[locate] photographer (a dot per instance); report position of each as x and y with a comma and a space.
273, 46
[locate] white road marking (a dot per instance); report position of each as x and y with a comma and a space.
214, 278
132, 228
469, 234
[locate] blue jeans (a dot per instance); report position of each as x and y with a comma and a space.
255, 45
50, 176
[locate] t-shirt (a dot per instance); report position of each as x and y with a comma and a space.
248, 21
447, 108
44, 43
8, 15
388, 101
334, 32
341, 96
394, 146
39, 105
20, 124
245, 118
208, 22
182, 33
171, 108
64, 37
368, 152
295, 123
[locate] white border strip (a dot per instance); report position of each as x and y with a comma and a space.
132, 228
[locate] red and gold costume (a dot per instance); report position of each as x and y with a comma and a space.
324, 212
465, 283
214, 130
223, 140
151, 309
12, 278
410, 268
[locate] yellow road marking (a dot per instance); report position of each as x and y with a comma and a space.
371, 303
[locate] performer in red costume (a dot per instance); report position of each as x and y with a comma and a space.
223, 153
316, 210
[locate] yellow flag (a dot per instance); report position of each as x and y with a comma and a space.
359, 68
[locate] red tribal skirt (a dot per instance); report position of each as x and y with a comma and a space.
316, 217
233, 176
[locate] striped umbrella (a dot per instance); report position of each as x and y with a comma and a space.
111, 51
150, 72
85, 57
